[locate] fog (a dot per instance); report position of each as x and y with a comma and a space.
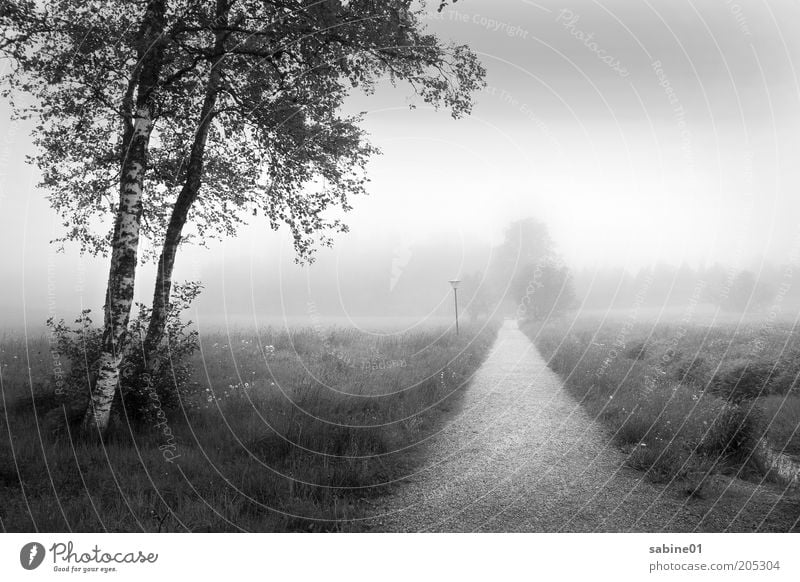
653, 136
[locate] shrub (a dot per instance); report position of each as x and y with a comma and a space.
743, 379
785, 379
733, 436
172, 380
694, 371
81, 346
782, 416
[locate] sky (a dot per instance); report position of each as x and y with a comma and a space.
680, 151
657, 130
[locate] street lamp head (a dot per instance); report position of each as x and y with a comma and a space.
455, 283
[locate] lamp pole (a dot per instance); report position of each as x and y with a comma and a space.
454, 283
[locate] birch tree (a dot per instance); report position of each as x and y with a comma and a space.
235, 107
74, 59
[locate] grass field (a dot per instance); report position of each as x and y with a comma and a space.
287, 431
685, 401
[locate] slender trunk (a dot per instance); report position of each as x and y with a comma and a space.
125, 241
122, 273
155, 337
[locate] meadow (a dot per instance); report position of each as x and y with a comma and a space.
285, 430
685, 400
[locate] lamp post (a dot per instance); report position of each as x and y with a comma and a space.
454, 283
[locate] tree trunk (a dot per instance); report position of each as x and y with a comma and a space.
125, 241
121, 277
155, 337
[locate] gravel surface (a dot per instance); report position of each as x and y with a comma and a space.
521, 455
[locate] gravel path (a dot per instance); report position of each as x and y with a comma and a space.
522, 455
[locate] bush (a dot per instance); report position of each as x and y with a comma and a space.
694, 371
81, 347
785, 379
170, 379
743, 379
732, 437
782, 416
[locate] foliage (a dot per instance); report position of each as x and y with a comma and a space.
81, 345
284, 67
172, 383
526, 274
543, 290
742, 379
526, 241
782, 417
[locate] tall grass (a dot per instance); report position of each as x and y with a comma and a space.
684, 402
782, 415
288, 431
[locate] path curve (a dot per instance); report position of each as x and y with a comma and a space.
522, 455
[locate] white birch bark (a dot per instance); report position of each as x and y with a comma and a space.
119, 298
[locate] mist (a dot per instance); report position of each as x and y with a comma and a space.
672, 149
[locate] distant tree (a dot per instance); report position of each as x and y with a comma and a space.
742, 291
526, 241
525, 245
749, 293
770, 281
202, 113
477, 296
542, 290
715, 277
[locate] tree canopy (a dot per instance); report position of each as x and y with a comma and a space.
200, 112
277, 143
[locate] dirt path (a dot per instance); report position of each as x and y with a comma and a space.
522, 455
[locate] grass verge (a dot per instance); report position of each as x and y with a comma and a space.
288, 431
683, 401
